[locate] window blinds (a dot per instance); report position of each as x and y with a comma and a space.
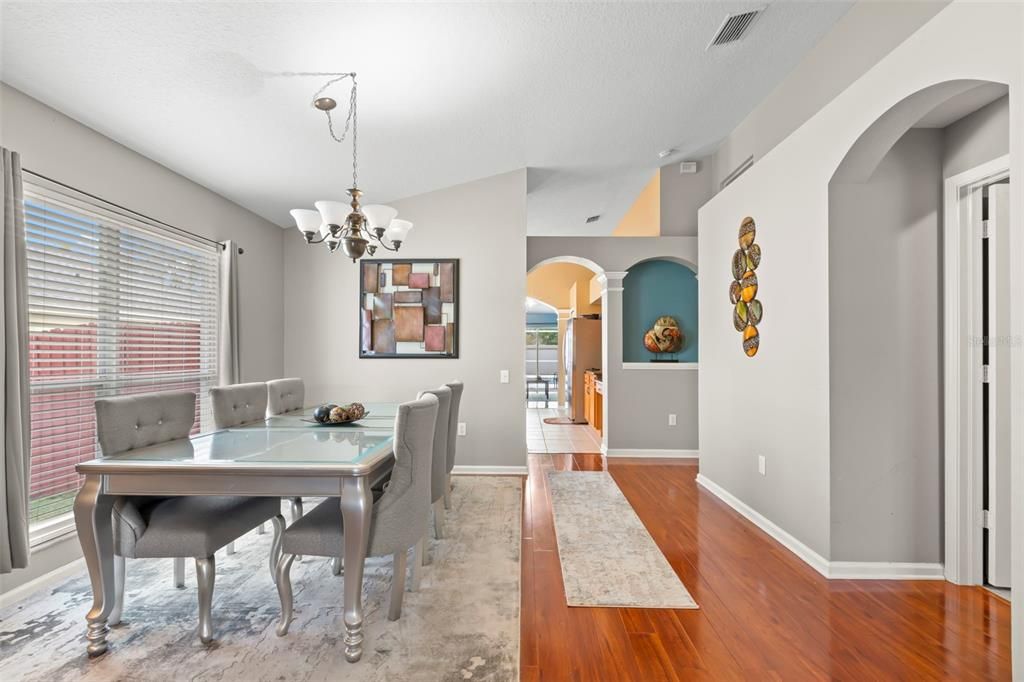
117, 305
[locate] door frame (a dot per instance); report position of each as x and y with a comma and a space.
962, 374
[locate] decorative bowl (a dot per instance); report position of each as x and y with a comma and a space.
337, 415
344, 423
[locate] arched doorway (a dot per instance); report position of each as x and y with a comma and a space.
563, 356
911, 433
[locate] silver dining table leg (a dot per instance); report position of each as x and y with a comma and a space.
356, 507
115, 613
275, 547
96, 535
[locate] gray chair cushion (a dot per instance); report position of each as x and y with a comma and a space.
129, 522
401, 514
135, 421
453, 421
439, 468
186, 526
285, 395
238, 404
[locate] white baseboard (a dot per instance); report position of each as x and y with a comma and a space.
809, 556
486, 470
54, 576
653, 453
881, 570
833, 570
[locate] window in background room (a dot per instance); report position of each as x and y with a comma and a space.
117, 305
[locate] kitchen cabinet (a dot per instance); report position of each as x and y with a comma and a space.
593, 399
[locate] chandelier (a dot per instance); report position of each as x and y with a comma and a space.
346, 224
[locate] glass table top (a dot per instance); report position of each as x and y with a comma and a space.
315, 449
379, 416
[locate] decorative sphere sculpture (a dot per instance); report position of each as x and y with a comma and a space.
665, 336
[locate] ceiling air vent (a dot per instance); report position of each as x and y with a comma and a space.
734, 27
593, 219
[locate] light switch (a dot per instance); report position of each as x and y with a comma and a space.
760, 464
671, 420
504, 376
462, 428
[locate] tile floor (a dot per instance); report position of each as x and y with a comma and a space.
558, 438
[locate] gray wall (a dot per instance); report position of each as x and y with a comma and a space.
862, 37
885, 332
637, 402
612, 254
63, 149
642, 401
975, 139
681, 196
483, 223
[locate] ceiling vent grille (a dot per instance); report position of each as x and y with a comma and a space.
593, 219
734, 27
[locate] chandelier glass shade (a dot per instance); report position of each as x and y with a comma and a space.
347, 226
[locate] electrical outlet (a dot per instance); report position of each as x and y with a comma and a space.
671, 420
760, 464
462, 428
503, 377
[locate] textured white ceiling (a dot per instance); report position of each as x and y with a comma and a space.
583, 94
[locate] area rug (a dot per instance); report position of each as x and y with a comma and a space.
463, 624
608, 558
562, 421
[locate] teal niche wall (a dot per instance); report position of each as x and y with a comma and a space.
652, 289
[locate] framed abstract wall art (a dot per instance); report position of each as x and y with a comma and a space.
409, 308
747, 311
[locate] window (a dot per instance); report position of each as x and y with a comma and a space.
542, 352
117, 305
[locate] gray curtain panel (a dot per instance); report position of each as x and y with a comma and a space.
14, 400
229, 359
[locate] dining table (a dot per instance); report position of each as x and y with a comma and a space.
286, 455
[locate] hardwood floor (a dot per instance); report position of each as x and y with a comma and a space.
764, 614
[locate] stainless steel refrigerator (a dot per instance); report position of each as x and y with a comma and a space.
581, 351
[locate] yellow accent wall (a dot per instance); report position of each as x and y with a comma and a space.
644, 217
554, 284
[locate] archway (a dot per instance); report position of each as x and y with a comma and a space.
555, 391
890, 348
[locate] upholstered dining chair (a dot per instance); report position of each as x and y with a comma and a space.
240, 404
173, 527
285, 395
439, 460
453, 432
399, 520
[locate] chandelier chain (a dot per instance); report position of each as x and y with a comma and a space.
351, 121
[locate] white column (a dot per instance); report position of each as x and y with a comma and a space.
611, 347
563, 315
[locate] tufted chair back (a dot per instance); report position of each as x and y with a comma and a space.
439, 465
238, 404
453, 421
285, 395
401, 515
135, 421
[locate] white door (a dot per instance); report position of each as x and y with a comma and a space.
997, 453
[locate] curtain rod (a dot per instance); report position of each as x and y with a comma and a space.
128, 210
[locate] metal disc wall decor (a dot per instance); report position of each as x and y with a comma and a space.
739, 264
747, 311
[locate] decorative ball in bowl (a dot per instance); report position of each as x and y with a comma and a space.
339, 414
